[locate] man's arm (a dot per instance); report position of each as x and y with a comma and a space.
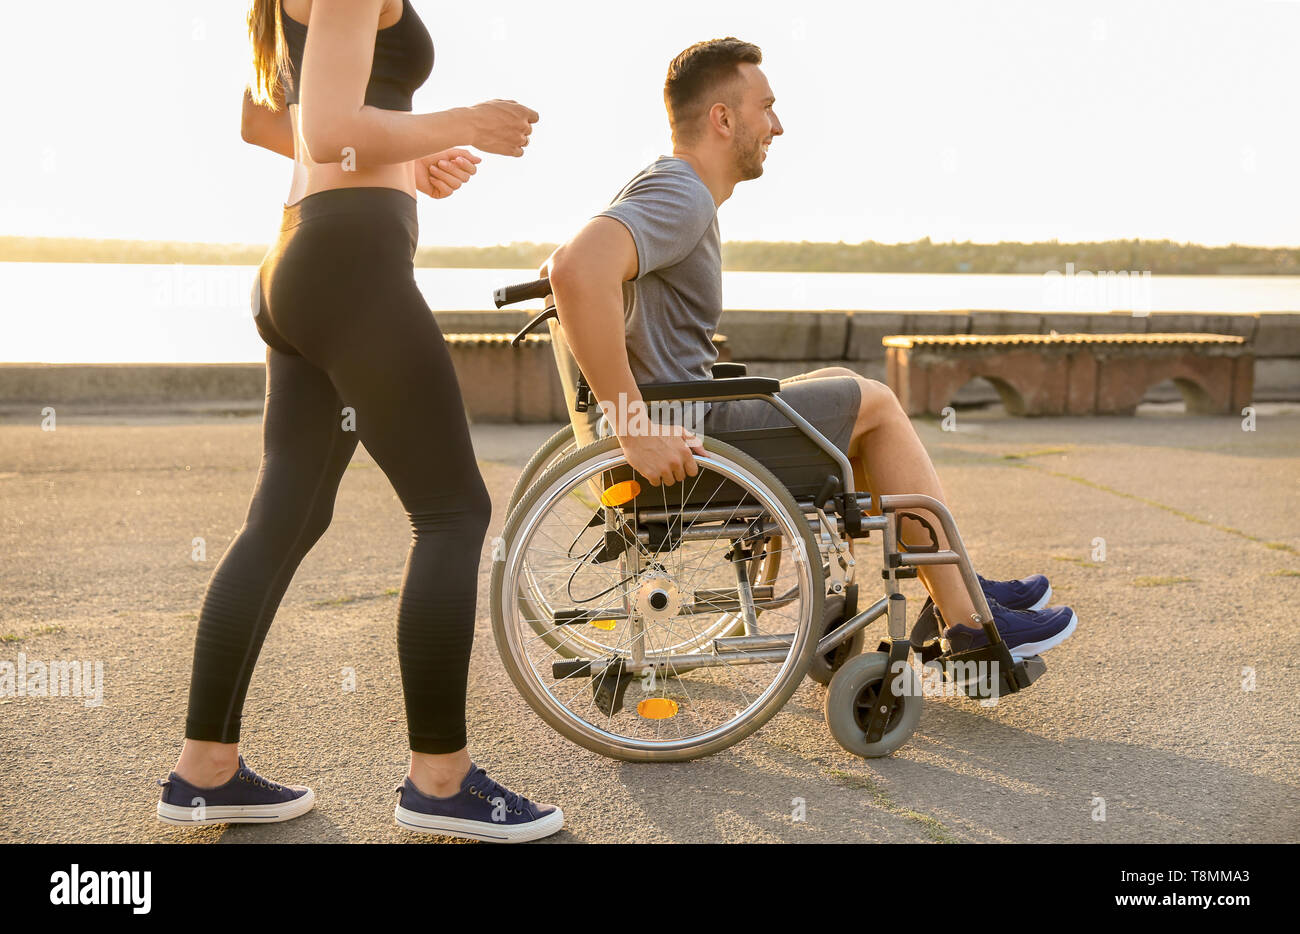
587, 276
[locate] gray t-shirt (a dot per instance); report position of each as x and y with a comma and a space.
672, 307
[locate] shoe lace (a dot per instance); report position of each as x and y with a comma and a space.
489, 789
1016, 586
245, 774
1006, 612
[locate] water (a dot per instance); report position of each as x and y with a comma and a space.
106, 313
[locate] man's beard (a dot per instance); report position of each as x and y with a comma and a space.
749, 154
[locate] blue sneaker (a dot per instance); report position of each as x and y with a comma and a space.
1026, 632
481, 810
247, 798
1032, 593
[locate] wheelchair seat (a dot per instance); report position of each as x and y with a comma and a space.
800, 465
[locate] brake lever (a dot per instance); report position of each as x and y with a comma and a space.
548, 313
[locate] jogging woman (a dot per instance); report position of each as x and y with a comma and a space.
335, 301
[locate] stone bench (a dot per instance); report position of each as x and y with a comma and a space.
1071, 374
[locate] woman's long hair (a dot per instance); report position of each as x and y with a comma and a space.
270, 55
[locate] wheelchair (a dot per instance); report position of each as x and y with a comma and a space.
666, 623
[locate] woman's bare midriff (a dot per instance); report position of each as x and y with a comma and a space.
310, 177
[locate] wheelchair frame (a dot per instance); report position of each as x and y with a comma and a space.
836, 515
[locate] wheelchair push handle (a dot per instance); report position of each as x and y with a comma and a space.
522, 292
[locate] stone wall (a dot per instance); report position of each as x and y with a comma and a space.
501, 384
774, 343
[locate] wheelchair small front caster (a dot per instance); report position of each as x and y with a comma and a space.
855, 690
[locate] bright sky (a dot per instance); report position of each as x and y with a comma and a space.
954, 120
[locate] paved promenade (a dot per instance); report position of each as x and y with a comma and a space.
1146, 709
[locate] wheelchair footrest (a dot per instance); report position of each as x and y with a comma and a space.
608, 693
1030, 670
990, 671
608, 683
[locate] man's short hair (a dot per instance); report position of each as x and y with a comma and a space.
695, 77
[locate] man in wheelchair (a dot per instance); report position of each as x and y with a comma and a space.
638, 293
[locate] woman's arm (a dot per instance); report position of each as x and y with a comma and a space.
337, 124
270, 129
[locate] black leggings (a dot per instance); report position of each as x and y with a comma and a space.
336, 302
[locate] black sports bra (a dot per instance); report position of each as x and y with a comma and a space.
403, 59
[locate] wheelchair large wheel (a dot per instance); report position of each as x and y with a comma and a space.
854, 689
634, 653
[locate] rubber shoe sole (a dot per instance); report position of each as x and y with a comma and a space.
478, 830
1042, 601
236, 814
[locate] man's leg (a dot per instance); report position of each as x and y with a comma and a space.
888, 457
864, 419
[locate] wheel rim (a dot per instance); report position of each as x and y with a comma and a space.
708, 703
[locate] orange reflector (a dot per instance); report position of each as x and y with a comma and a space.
620, 493
605, 624
657, 708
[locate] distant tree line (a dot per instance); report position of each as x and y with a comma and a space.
1163, 257
1154, 256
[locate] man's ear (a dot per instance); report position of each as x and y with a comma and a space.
720, 119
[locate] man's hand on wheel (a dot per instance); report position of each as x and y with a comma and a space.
667, 457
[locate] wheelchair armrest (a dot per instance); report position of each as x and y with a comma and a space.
729, 370
710, 389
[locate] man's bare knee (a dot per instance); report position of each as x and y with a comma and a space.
876, 404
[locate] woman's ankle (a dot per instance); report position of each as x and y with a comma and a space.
206, 764
439, 775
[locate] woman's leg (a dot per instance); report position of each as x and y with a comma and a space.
304, 454
391, 364
342, 292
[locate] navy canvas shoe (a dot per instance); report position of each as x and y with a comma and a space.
247, 798
1032, 593
481, 810
1026, 632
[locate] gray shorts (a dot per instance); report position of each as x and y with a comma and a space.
829, 402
